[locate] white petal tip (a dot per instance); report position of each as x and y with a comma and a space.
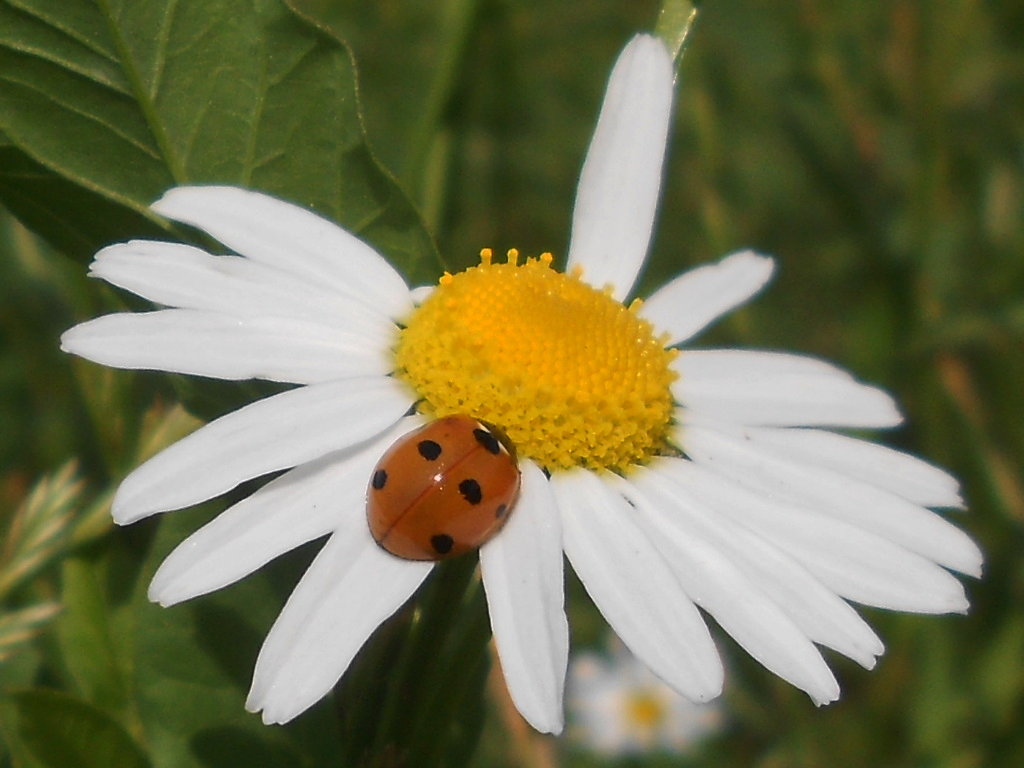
164, 592
973, 567
883, 412
421, 294
554, 727
107, 253
122, 514
973, 559
179, 203
161, 599
708, 695
869, 656
757, 264
274, 716
268, 717
121, 517
167, 204
257, 704
960, 605
711, 689
648, 45
825, 693
69, 340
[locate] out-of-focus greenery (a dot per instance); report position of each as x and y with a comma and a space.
876, 149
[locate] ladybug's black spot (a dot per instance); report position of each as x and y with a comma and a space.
501, 510
470, 490
429, 449
380, 479
442, 543
487, 440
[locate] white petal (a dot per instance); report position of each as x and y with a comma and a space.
617, 195
421, 293
351, 587
177, 275
737, 603
737, 363
523, 579
278, 432
633, 587
224, 347
296, 507
771, 388
695, 299
291, 238
900, 473
854, 563
823, 616
902, 522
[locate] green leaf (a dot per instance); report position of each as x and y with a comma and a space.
191, 664
1000, 673
94, 661
120, 100
675, 20
48, 729
55, 207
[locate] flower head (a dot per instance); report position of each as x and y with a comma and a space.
617, 707
573, 377
675, 480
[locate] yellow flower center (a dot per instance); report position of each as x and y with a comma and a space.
573, 377
644, 710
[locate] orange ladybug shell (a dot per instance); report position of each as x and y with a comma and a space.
441, 490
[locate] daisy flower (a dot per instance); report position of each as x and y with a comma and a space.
617, 707
675, 481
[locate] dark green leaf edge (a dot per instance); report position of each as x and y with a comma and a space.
330, 34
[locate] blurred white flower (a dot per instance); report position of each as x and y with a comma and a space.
616, 706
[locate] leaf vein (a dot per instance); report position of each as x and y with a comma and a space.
98, 120
71, 66
162, 41
147, 105
59, 25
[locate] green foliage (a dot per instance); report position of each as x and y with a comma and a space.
36, 531
19, 626
874, 148
675, 22
121, 100
47, 729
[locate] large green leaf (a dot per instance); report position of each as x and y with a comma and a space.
98, 667
177, 678
49, 729
51, 204
120, 100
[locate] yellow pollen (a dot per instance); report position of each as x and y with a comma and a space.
573, 377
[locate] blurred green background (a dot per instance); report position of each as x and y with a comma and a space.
875, 149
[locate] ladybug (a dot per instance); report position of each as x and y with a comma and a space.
442, 490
